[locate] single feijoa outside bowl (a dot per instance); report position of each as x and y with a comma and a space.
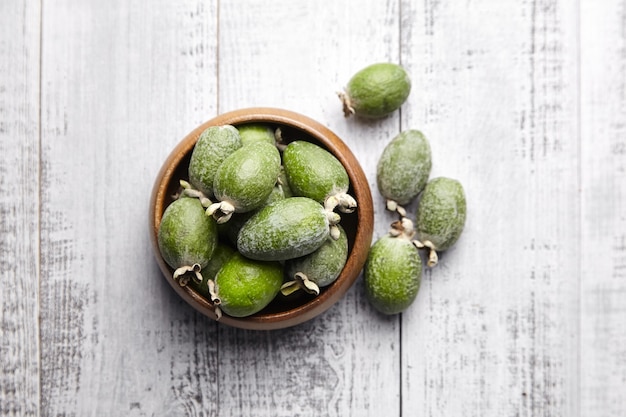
297, 308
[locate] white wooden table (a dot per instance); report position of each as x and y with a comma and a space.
524, 101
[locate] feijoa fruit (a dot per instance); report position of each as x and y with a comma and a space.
285, 229
213, 146
403, 169
244, 180
186, 238
376, 91
317, 269
244, 286
314, 172
393, 271
440, 217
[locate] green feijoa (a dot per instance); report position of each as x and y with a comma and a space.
246, 286
314, 172
256, 132
392, 274
440, 216
403, 168
186, 238
286, 229
213, 146
376, 91
231, 229
221, 255
244, 180
319, 268
278, 193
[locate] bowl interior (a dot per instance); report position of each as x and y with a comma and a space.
296, 308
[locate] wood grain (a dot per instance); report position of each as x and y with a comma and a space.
297, 56
523, 102
603, 212
498, 317
122, 83
19, 208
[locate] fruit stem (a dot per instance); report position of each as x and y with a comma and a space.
221, 212
196, 269
402, 228
395, 207
215, 299
342, 200
189, 191
433, 258
278, 137
218, 313
348, 110
181, 274
306, 284
300, 282
289, 287
331, 202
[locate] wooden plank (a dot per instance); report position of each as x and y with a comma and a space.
19, 208
603, 213
297, 55
521, 317
122, 83
495, 328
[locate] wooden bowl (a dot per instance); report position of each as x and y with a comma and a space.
296, 308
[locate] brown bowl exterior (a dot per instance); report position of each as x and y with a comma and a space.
288, 311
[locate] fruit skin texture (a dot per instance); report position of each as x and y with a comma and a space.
212, 147
186, 235
404, 167
441, 213
392, 274
313, 172
376, 90
324, 265
221, 255
285, 229
255, 132
245, 286
247, 177
230, 230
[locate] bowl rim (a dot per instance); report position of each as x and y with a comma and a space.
364, 212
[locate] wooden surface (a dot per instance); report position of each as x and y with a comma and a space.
523, 101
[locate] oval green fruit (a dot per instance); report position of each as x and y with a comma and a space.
376, 91
245, 286
214, 145
315, 173
441, 214
245, 179
256, 132
283, 230
403, 168
319, 268
186, 237
392, 274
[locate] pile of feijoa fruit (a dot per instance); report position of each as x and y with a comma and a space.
258, 217
393, 270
